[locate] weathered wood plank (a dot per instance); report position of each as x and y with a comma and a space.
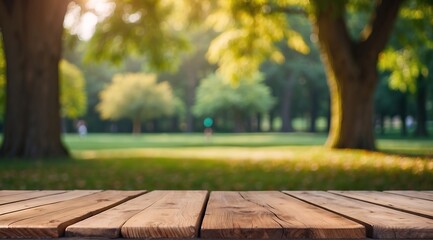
13, 192
272, 214
381, 222
24, 196
399, 202
175, 214
426, 195
51, 220
35, 202
108, 223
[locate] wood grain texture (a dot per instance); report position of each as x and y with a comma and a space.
24, 196
380, 222
13, 192
26, 204
173, 214
399, 202
108, 223
274, 215
51, 220
426, 195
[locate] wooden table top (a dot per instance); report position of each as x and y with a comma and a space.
217, 215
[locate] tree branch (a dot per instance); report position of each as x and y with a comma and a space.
376, 34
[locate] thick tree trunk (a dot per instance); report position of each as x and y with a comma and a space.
421, 113
32, 37
286, 106
351, 70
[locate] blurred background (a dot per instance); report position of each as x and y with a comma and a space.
229, 95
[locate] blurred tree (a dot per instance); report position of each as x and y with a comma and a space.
31, 32
408, 57
302, 71
72, 93
217, 98
142, 28
136, 97
250, 28
193, 67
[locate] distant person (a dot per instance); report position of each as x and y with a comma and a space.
208, 122
81, 128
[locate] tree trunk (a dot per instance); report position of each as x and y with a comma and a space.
314, 107
32, 37
271, 120
286, 106
239, 122
328, 115
421, 113
382, 123
351, 70
259, 122
136, 126
403, 113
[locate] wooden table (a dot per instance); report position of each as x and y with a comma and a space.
216, 215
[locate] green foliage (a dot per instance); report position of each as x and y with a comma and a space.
146, 28
137, 97
73, 98
216, 96
404, 68
409, 54
248, 31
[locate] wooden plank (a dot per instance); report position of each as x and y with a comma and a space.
272, 214
24, 196
381, 222
399, 202
108, 223
51, 220
175, 214
26, 204
13, 192
426, 195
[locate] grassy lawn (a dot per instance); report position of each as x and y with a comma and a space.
225, 162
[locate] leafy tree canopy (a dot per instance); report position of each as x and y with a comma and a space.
73, 97
408, 56
216, 96
148, 28
137, 97
248, 31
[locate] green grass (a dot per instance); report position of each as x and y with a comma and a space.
226, 162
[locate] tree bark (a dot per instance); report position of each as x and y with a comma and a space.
351, 70
421, 113
32, 37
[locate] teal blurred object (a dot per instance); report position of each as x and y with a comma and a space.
207, 122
